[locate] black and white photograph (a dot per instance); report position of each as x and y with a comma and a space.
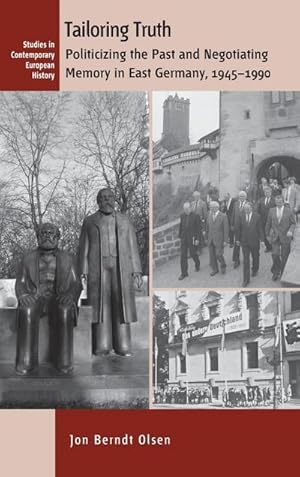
226, 194
74, 215
226, 349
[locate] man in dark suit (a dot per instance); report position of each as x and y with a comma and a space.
227, 208
264, 204
189, 233
200, 208
260, 190
47, 283
280, 228
237, 211
217, 237
248, 234
250, 191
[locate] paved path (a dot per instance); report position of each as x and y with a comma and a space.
166, 276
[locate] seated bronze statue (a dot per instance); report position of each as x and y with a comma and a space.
47, 284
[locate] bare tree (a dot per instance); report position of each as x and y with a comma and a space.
69, 208
31, 139
110, 141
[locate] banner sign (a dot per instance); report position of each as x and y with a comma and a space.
235, 322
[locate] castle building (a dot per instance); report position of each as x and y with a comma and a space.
259, 136
176, 122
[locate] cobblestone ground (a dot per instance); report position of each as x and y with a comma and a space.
166, 276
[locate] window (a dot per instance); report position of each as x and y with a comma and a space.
295, 301
182, 318
247, 114
213, 311
213, 359
182, 363
275, 97
252, 355
289, 96
252, 305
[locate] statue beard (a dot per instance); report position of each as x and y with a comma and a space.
106, 208
48, 245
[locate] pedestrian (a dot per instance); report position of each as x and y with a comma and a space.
217, 237
280, 228
264, 204
200, 208
189, 234
227, 207
248, 234
237, 211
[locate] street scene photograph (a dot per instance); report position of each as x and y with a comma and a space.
74, 217
225, 349
226, 194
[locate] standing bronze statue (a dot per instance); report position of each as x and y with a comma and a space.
110, 262
46, 284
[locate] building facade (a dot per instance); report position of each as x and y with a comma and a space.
259, 137
233, 339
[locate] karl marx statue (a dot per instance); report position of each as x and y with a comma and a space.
46, 284
109, 261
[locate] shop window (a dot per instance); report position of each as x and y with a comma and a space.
275, 97
181, 363
213, 359
252, 355
295, 301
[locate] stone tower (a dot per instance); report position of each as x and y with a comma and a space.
176, 122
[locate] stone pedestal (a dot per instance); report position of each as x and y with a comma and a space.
111, 381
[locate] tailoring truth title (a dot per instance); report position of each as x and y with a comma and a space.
87, 29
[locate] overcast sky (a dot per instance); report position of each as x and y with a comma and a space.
204, 112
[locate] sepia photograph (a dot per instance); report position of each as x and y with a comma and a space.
226, 193
225, 349
74, 214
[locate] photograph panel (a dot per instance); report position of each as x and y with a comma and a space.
226, 195
74, 215
223, 349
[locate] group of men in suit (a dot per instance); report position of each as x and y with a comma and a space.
244, 224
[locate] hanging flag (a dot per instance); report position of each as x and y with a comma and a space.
277, 333
184, 344
223, 336
155, 348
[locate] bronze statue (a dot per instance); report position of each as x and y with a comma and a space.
110, 262
46, 284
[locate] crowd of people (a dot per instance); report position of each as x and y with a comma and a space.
247, 396
178, 395
265, 214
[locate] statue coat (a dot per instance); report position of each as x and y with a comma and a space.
67, 281
90, 263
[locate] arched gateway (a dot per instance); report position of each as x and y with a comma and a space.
277, 167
